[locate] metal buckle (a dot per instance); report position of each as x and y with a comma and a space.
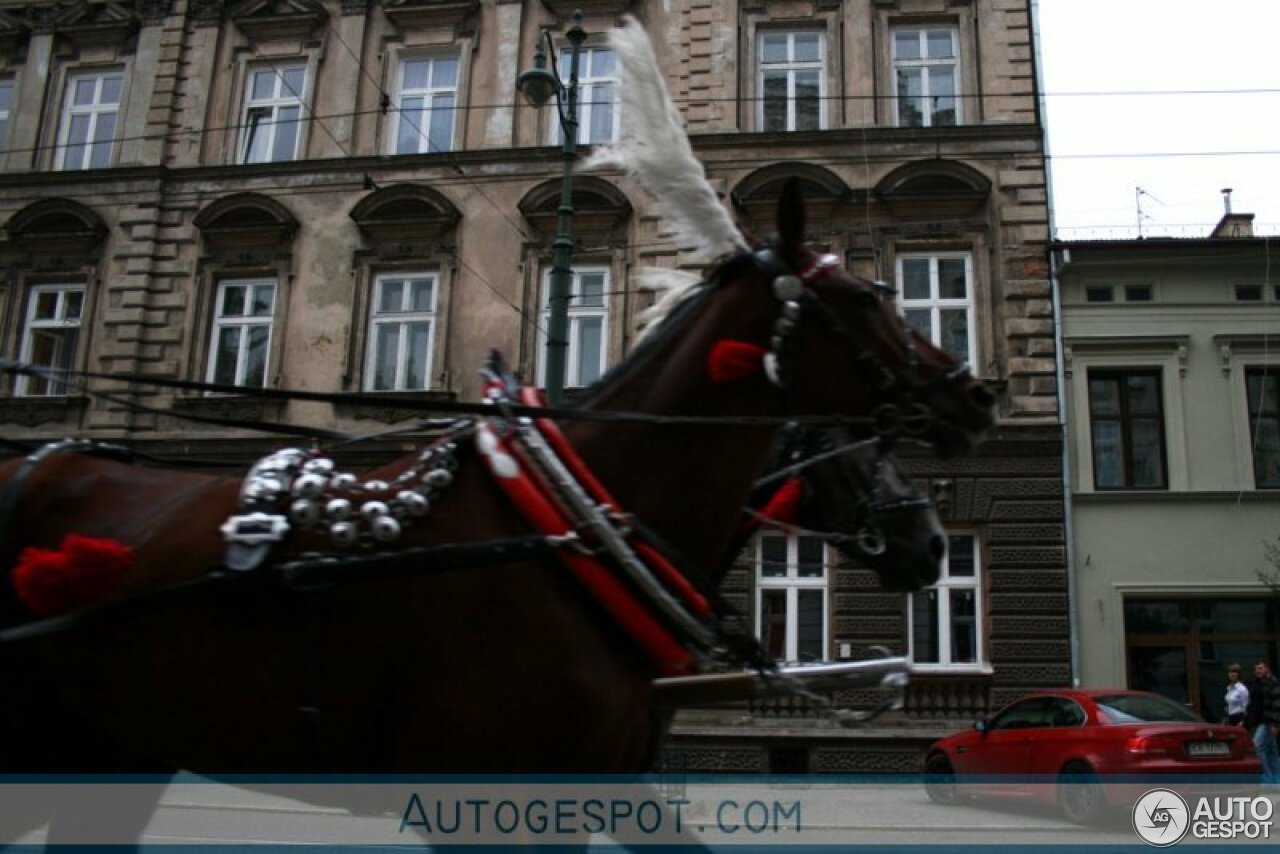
253, 529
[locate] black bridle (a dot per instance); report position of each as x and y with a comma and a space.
905, 409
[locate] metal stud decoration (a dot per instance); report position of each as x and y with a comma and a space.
317, 496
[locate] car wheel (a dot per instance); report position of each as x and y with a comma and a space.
940, 780
1080, 794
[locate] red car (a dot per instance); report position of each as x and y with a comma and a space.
1062, 745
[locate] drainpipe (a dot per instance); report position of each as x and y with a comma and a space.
1057, 262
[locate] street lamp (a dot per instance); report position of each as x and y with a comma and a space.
538, 84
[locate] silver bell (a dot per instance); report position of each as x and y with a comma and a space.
385, 529
439, 478
788, 288
376, 486
344, 481
791, 310
338, 509
343, 534
413, 503
271, 486
310, 486
305, 512
320, 465
373, 509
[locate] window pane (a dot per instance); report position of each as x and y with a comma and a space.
940, 44
910, 88
72, 304
440, 135
233, 300
1155, 617
809, 634
1266, 454
286, 134
924, 621
810, 557
774, 48
1108, 454
773, 622
422, 292
1148, 455
960, 557
942, 88
410, 130
46, 305
601, 129
590, 342
590, 290
6, 95
807, 47
773, 556
263, 300
255, 367
1143, 393
83, 91
775, 101
906, 44
110, 91
52, 348
264, 84
915, 278
258, 134
100, 156
1104, 396
964, 626
386, 349
391, 296
225, 356
293, 82
419, 353
77, 135
807, 102
1160, 669
1237, 616
955, 332
417, 74
603, 63
952, 281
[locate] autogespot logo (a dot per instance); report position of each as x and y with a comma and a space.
1161, 817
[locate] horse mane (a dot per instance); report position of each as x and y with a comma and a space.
654, 149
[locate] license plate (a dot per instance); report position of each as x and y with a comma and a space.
1208, 748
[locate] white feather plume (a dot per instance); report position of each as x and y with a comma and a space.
654, 149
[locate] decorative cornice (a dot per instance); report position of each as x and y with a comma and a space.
459, 15
267, 20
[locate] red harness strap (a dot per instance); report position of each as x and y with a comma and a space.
517, 477
672, 577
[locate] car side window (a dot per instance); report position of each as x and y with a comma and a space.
1024, 714
1065, 713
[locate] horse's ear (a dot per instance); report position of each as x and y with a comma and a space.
791, 223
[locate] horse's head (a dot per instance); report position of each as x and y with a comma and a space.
862, 500
838, 346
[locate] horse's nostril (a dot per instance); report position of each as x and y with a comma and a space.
937, 547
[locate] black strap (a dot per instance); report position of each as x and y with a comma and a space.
305, 574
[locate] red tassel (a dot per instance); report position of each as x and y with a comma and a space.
733, 360
83, 571
784, 506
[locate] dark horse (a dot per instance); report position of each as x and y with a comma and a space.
508, 668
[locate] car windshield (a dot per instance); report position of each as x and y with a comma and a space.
1143, 708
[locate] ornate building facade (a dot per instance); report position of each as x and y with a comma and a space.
347, 195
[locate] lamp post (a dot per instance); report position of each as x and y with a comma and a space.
538, 84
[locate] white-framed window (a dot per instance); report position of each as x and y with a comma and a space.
936, 298
791, 596
426, 101
926, 74
50, 334
90, 110
598, 109
585, 360
240, 345
946, 620
402, 325
6, 103
791, 81
272, 119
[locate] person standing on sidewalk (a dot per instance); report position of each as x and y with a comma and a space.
1263, 719
1237, 698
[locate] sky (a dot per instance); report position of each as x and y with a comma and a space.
1104, 63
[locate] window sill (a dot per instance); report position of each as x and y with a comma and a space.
392, 415
240, 407
36, 410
